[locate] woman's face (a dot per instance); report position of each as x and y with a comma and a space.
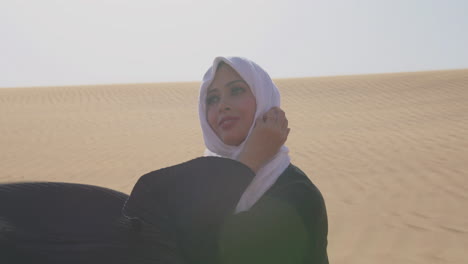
230, 106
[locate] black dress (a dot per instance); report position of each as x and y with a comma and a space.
179, 214
194, 203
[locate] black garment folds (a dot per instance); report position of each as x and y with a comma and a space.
287, 225
192, 204
179, 214
51, 222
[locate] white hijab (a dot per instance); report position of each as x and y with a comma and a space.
267, 96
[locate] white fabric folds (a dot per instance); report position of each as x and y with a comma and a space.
267, 96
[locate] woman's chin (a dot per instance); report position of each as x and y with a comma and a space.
232, 141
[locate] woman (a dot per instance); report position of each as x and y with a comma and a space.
281, 215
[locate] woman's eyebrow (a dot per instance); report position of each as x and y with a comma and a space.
212, 90
235, 81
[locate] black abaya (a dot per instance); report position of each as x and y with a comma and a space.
179, 214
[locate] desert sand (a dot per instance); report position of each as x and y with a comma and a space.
389, 152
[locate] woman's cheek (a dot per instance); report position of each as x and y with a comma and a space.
212, 120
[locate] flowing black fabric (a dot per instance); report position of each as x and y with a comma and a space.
170, 217
62, 223
180, 214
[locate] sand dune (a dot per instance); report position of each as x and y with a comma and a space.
388, 151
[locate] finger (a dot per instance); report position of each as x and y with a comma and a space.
285, 123
287, 134
281, 118
279, 114
274, 109
260, 120
270, 116
277, 109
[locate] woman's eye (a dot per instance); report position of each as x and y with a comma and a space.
237, 90
212, 99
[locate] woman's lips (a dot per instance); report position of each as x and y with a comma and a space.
228, 122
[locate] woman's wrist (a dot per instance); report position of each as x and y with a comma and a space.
250, 162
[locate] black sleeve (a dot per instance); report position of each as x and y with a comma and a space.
288, 227
178, 210
310, 204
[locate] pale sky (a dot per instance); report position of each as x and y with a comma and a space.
74, 42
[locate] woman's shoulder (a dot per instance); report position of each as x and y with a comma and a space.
294, 183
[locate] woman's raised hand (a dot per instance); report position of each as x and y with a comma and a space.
268, 135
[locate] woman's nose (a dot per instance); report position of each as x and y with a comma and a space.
223, 105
